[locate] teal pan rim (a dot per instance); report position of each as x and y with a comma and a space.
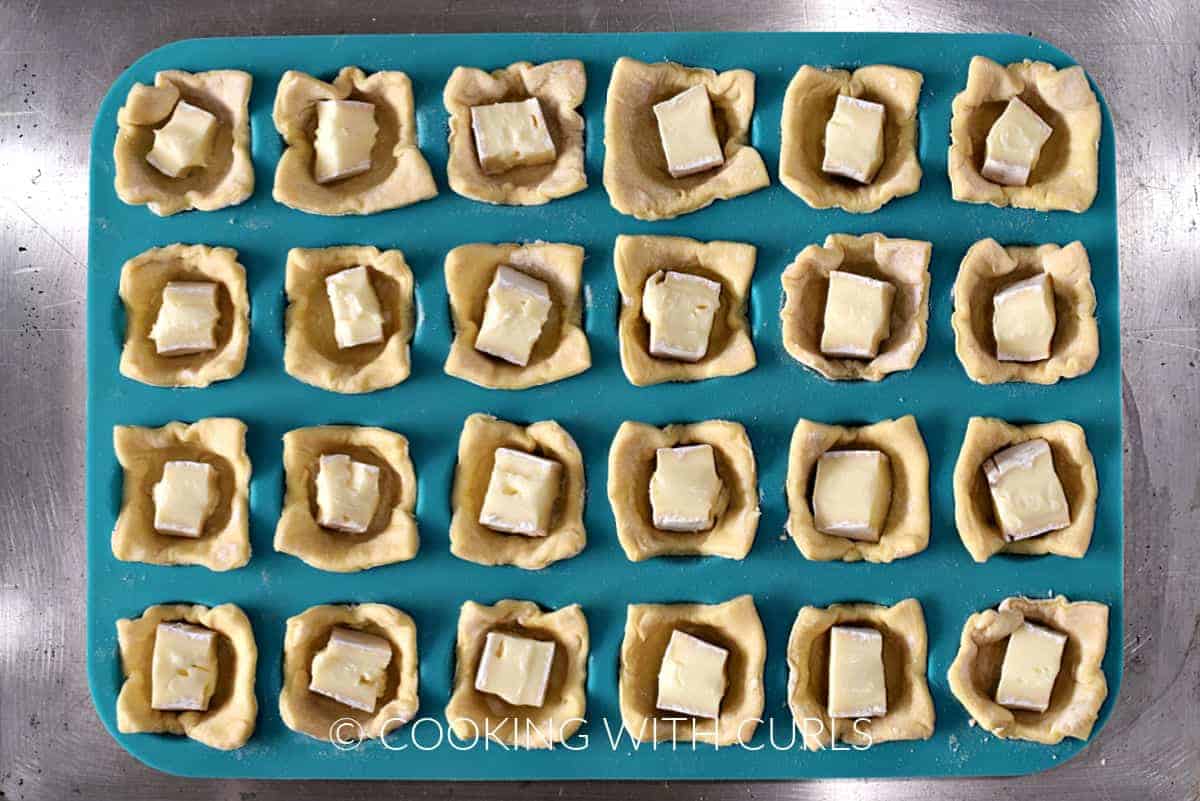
430, 408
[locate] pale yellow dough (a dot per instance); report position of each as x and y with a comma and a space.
973, 512
635, 167
392, 534
807, 107
906, 530
228, 180
313, 714
1065, 176
310, 351
474, 715
471, 540
631, 463
559, 87
733, 625
731, 264
143, 279
560, 352
988, 268
910, 714
229, 720
1079, 690
399, 175
224, 544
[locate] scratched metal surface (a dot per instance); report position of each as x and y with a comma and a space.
57, 57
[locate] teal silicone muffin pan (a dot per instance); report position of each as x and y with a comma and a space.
430, 407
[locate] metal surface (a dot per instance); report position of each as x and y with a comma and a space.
57, 59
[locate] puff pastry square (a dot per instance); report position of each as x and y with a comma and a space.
399, 175
635, 167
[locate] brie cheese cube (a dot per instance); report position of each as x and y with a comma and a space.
516, 311
187, 319
184, 498
352, 668
357, 318
183, 667
680, 308
857, 688
521, 493
1032, 661
1026, 492
347, 493
691, 678
184, 142
517, 669
1014, 144
685, 490
852, 494
854, 139
511, 135
688, 133
1023, 320
858, 316
346, 132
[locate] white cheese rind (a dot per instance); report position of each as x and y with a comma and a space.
854, 145
857, 683
858, 316
516, 311
347, 493
1014, 144
521, 493
185, 142
357, 316
1032, 661
1024, 319
688, 134
680, 308
345, 137
852, 494
352, 668
509, 135
691, 678
187, 319
685, 489
517, 669
184, 498
1027, 494
183, 667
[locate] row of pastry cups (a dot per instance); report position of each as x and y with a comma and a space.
1071, 707
561, 350
636, 177
901, 529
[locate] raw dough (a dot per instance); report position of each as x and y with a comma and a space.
229, 720
1079, 690
391, 536
902, 262
559, 87
730, 349
143, 279
228, 180
906, 530
1066, 172
323, 718
474, 715
808, 106
469, 539
973, 512
733, 625
988, 268
219, 441
310, 351
635, 168
631, 463
910, 714
399, 175
562, 349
